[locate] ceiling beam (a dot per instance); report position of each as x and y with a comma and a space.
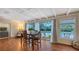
68, 11
54, 12
42, 13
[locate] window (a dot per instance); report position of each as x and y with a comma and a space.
31, 26
67, 29
45, 28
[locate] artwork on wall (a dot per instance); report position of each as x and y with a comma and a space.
3, 28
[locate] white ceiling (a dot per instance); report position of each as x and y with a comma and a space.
33, 13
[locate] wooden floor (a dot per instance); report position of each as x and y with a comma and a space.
15, 45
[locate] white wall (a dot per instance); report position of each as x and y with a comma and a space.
13, 30
6, 25
11, 25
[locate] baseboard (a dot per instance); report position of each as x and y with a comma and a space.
4, 38
7, 38
62, 44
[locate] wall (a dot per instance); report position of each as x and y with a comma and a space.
5, 33
16, 26
13, 25
5, 23
62, 17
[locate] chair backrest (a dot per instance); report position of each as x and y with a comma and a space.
38, 35
24, 34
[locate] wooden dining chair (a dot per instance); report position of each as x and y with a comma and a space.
36, 41
38, 38
27, 38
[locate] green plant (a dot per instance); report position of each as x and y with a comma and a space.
49, 36
30, 29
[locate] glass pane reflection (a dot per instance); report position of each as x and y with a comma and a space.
67, 29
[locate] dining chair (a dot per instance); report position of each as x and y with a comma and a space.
36, 40
27, 38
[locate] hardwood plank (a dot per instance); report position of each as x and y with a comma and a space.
15, 45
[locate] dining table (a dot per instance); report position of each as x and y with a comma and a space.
29, 37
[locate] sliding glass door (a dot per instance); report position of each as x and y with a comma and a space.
68, 29
45, 27
46, 30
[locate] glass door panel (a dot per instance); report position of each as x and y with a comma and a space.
67, 29
45, 28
